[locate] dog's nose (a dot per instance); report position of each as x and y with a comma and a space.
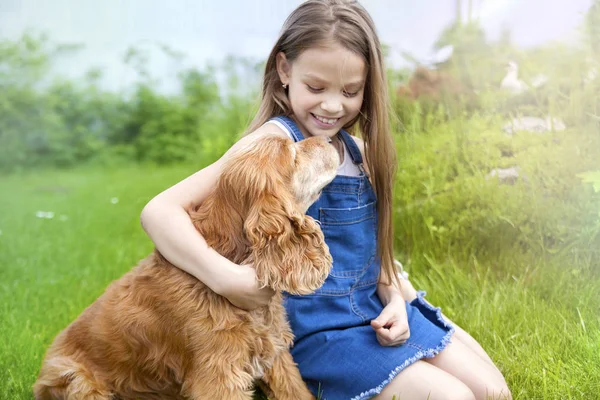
325, 139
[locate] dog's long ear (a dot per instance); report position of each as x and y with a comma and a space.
288, 248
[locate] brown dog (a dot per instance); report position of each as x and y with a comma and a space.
160, 333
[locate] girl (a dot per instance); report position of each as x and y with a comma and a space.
359, 336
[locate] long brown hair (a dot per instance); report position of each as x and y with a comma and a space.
348, 24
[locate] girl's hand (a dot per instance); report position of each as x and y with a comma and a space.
391, 326
242, 289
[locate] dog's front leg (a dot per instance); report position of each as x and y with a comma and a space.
285, 381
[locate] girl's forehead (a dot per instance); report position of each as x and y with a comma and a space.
331, 63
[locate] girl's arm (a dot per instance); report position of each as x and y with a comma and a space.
167, 222
389, 292
391, 325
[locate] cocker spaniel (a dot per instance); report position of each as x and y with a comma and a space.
160, 333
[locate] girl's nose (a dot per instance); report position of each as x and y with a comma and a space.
331, 106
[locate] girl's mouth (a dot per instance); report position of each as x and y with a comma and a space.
325, 122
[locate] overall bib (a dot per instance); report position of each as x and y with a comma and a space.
335, 347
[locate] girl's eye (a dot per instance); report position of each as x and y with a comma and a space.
314, 89
350, 94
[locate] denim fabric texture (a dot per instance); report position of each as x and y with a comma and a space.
335, 347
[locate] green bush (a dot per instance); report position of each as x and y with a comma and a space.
449, 204
64, 123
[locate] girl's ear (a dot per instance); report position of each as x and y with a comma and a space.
283, 68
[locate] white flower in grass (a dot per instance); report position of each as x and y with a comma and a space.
44, 214
114, 200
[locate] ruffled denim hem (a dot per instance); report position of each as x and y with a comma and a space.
430, 353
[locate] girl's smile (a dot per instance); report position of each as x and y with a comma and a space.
325, 123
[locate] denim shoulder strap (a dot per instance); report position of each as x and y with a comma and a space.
291, 127
352, 147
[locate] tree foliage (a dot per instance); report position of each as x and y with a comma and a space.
53, 121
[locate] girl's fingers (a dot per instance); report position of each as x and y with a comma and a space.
384, 319
400, 331
385, 334
394, 336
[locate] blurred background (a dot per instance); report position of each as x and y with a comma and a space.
495, 114
114, 59
202, 32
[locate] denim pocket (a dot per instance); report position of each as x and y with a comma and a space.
350, 234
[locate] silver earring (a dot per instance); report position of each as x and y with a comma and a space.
284, 85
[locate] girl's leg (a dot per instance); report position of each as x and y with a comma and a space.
425, 381
483, 378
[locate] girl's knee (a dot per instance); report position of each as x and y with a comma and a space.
424, 381
493, 390
498, 392
461, 392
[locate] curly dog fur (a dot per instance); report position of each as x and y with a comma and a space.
160, 333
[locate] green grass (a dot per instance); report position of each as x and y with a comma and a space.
51, 269
530, 299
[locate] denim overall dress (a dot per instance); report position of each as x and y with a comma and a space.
335, 347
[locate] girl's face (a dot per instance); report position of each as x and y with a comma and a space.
326, 88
